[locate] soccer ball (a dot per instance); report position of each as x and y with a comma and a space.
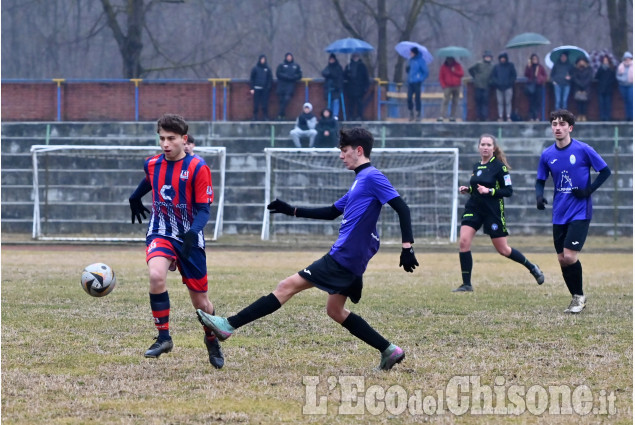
98, 280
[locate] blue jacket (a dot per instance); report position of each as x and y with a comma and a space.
417, 69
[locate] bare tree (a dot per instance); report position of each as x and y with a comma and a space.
620, 29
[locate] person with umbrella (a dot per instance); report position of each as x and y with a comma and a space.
288, 74
417, 70
481, 72
581, 77
606, 84
536, 78
625, 80
333, 81
503, 78
561, 79
450, 76
356, 83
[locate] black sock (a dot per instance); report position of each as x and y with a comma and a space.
362, 330
465, 258
518, 257
573, 278
259, 308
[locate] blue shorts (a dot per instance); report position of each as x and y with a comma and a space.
327, 275
193, 270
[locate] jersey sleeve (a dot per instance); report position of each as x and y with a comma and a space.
543, 169
595, 159
203, 191
340, 204
382, 189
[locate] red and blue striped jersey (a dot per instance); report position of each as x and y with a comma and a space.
176, 187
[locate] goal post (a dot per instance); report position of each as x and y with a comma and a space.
80, 192
426, 178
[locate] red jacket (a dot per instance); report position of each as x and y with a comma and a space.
450, 76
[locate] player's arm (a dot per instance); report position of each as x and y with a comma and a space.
604, 174
505, 189
407, 258
321, 213
540, 194
137, 208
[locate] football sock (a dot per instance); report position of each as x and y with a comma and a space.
362, 330
573, 278
465, 258
259, 308
518, 257
160, 305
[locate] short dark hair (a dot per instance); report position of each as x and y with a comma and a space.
174, 123
191, 139
355, 137
564, 114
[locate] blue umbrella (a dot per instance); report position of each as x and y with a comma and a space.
403, 48
349, 45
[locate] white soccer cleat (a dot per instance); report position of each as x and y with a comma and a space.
578, 302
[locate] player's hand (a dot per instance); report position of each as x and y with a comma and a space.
137, 209
408, 259
540, 203
189, 240
464, 190
581, 193
282, 207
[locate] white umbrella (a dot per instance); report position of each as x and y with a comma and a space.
574, 53
403, 48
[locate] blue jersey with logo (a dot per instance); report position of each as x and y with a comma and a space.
358, 239
570, 169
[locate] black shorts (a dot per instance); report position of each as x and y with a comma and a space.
571, 235
493, 224
327, 275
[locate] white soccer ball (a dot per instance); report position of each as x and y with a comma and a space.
98, 280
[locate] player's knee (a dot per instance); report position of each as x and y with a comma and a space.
464, 244
567, 259
285, 288
336, 313
157, 278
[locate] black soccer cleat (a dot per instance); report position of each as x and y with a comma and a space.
159, 347
216, 357
464, 288
537, 274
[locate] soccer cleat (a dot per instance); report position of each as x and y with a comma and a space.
219, 325
463, 288
578, 302
538, 274
391, 357
216, 358
159, 347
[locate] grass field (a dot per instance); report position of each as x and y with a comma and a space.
68, 358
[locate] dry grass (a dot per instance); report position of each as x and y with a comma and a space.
71, 359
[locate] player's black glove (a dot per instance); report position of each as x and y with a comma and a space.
189, 240
138, 210
282, 207
581, 193
540, 203
408, 259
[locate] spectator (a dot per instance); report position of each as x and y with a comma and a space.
481, 72
261, 80
450, 76
356, 83
503, 78
625, 83
561, 79
581, 78
417, 69
606, 84
305, 126
190, 144
288, 74
333, 82
536, 78
327, 130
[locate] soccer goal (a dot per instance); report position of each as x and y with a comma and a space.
80, 193
426, 178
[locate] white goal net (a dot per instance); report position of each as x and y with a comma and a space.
80, 193
426, 178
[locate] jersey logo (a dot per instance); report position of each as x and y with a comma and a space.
565, 182
572, 159
575, 243
504, 168
508, 180
374, 236
185, 174
479, 172
152, 246
307, 271
167, 192
210, 192
553, 161
354, 184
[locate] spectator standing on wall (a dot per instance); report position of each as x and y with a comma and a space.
333, 82
288, 74
481, 72
625, 83
606, 84
261, 80
450, 76
536, 78
503, 78
581, 78
417, 73
356, 83
561, 79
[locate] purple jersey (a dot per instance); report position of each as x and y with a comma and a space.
358, 240
570, 169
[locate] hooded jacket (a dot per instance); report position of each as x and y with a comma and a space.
261, 77
480, 72
504, 74
288, 74
417, 69
356, 78
333, 78
306, 121
560, 71
450, 73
